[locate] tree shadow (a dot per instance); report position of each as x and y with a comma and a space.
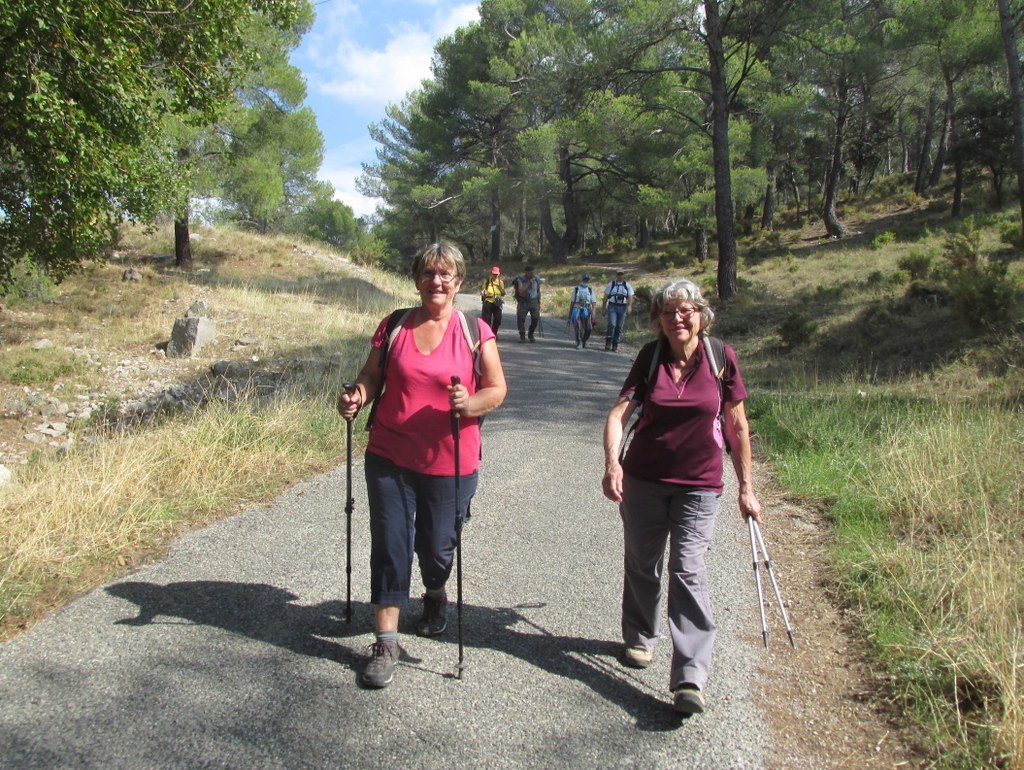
270, 614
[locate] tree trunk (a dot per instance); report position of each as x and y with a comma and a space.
644, 233
521, 230
1016, 98
495, 227
724, 219
768, 212
701, 245
921, 182
958, 165
833, 226
947, 124
182, 243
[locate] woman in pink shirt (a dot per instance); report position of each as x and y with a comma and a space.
410, 458
669, 483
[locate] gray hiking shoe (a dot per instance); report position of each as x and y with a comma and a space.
435, 617
380, 671
688, 699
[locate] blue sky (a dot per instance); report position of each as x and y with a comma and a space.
360, 56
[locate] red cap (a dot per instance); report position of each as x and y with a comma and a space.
495, 270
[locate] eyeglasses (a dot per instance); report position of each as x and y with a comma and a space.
682, 312
430, 275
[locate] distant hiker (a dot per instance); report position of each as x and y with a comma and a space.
526, 288
493, 297
617, 304
410, 458
581, 310
670, 481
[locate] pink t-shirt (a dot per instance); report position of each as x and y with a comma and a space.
678, 438
413, 426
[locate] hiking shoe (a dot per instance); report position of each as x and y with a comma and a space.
522, 338
435, 616
532, 339
637, 657
380, 671
607, 344
688, 699
615, 347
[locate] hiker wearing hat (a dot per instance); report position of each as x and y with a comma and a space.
493, 295
617, 304
581, 310
526, 288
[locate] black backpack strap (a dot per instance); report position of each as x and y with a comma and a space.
470, 328
395, 322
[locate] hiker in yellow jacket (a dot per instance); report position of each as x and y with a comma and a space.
493, 295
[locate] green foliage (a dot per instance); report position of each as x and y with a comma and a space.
981, 292
917, 264
797, 329
882, 240
23, 365
84, 88
26, 281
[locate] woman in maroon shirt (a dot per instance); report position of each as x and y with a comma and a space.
669, 483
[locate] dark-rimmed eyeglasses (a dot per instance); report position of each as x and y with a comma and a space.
430, 275
682, 312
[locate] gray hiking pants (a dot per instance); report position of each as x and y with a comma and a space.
653, 513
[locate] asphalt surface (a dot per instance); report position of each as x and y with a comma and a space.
233, 651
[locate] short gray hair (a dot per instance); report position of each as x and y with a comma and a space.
442, 254
683, 290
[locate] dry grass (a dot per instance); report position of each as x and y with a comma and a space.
69, 521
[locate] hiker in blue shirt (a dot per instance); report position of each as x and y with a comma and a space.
581, 310
617, 304
526, 289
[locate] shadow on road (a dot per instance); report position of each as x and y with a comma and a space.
269, 614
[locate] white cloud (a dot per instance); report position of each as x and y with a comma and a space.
369, 74
341, 167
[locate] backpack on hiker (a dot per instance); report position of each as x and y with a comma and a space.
470, 331
649, 359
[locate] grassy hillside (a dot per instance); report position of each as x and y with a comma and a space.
887, 368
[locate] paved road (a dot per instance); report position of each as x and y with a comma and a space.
233, 651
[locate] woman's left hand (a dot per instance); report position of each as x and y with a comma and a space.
458, 398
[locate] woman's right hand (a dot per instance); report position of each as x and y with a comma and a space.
611, 484
350, 402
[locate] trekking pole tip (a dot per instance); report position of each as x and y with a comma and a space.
792, 639
764, 635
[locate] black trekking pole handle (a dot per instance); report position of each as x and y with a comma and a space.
350, 505
458, 530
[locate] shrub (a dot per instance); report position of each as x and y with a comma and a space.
917, 264
25, 366
882, 240
982, 293
797, 329
1010, 233
27, 282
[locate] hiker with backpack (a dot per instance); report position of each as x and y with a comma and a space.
492, 295
410, 469
526, 290
669, 480
617, 304
581, 310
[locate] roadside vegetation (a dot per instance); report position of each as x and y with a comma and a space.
887, 369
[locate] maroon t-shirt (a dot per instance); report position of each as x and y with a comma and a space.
678, 438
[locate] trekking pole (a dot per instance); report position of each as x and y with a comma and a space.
757, 579
350, 504
458, 530
771, 574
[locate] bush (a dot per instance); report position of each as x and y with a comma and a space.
1010, 233
882, 240
918, 265
27, 282
981, 292
25, 366
797, 329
